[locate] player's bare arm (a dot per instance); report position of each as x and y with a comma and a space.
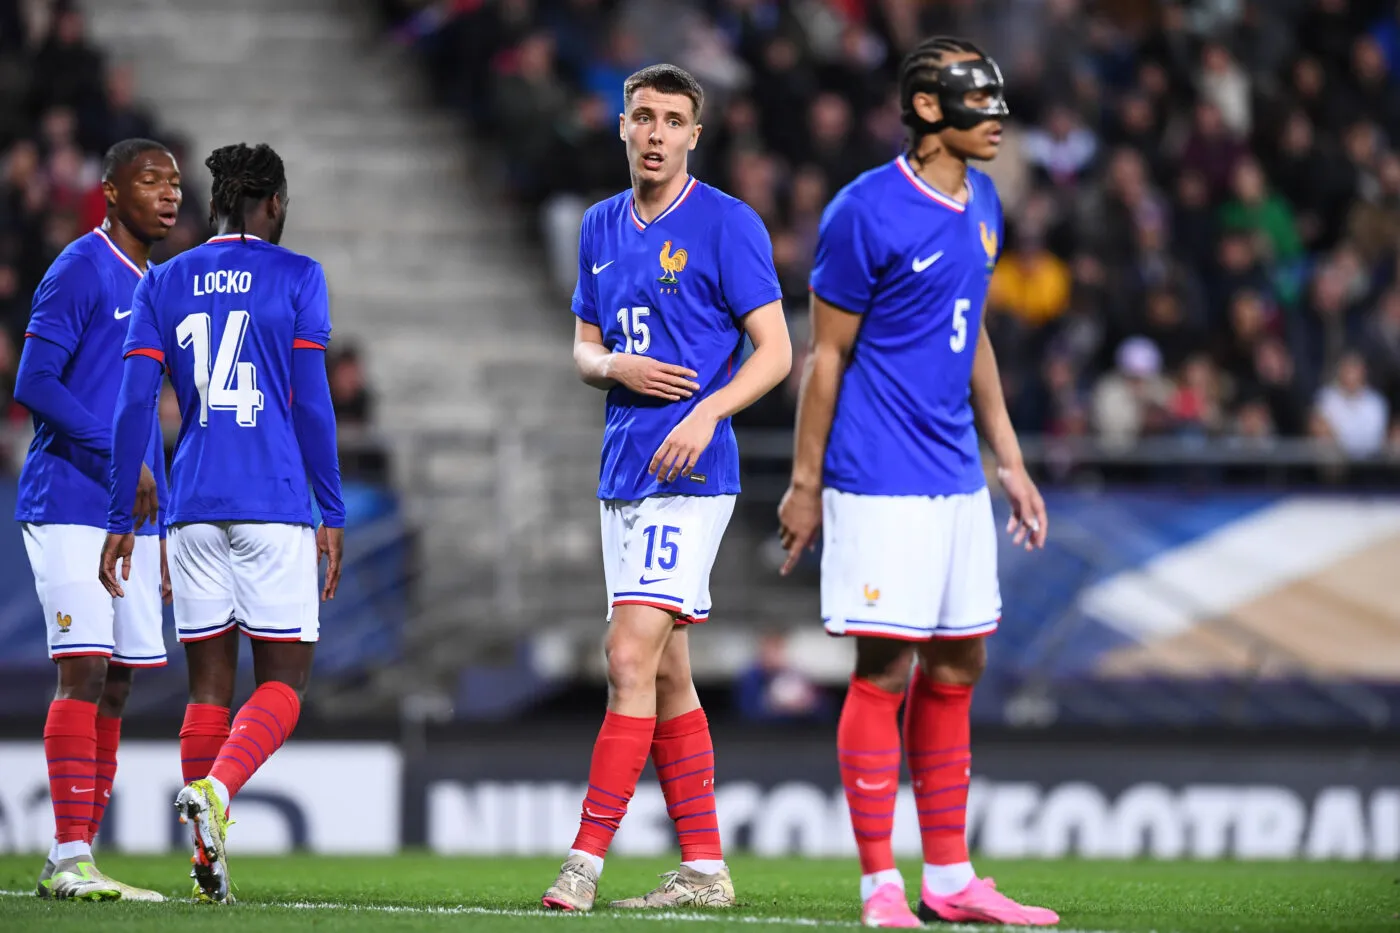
602, 369
117, 547
767, 366
147, 500
330, 543
1029, 523
800, 511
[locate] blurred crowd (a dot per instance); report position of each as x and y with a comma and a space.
1203, 198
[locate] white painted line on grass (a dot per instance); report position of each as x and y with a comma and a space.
571, 917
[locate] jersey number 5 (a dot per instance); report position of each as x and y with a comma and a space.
232, 385
636, 331
958, 340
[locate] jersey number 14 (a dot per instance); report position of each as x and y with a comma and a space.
232, 384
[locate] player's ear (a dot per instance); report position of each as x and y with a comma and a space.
695, 135
622, 127
927, 107
109, 191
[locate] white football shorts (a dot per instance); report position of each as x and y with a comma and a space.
259, 576
909, 567
659, 552
82, 619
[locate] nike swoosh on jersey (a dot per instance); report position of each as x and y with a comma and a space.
645, 582
119, 314
81, 790
597, 268
921, 264
860, 782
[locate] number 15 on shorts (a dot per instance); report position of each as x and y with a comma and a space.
661, 547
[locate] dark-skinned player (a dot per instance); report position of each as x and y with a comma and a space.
69, 374
242, 326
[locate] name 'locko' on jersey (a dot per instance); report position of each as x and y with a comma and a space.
225, 317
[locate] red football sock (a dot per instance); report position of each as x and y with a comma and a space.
936, 732
684, 758
109, 736
204, 732
70, 744
619, 755
259, 729
867, 746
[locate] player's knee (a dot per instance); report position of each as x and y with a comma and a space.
672, 676
115, 690
954, 661
81, 679
631, 666
885, 663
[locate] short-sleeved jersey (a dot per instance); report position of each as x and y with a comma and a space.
675, 290
225, 317
84, 306
915, 265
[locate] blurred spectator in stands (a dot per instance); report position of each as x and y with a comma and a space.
1350, 413
1373, 226
1212, 150
361, 455
530, 102
1253, 425
350, 395
1382, 346
1275, 379
1309, 177
770, 690
1195, 407
1129, 401
66, 70
1167, 325
1263, 215
831, 143
120, 116
1062, 149
1225, 85
1373, 94
1031, 284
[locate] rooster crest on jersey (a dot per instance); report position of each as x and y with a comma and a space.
872, 594
989, 243
64, 622
671, 263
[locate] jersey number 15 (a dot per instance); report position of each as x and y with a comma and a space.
232, 384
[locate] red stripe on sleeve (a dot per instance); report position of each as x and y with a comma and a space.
300, 344
156, 355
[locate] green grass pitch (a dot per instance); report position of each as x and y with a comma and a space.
429, 893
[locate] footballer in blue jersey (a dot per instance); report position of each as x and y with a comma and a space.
69, 374
242, 325
900, 387
673, 277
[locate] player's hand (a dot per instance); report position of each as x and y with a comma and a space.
166, 594
647, 376
329, 544
1029, 525
678, 454
799, 519
116, 547
147, 501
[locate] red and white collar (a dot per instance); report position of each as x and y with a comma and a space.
229, 237
679, 200
116, 251
929, 191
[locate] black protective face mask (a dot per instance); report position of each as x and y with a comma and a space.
955, 81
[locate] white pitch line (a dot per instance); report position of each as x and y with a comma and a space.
557, 915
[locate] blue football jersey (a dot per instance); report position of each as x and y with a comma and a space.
83, 305
225, 317
915, 265
675, 290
